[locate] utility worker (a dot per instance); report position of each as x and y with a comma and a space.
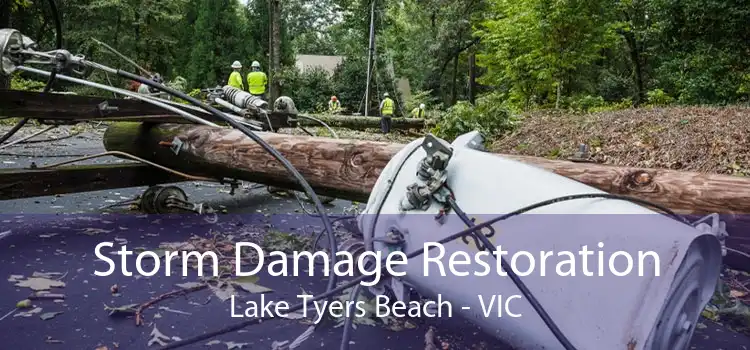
235, 79
418, 112
386, 113
144, 89
257, 81
334, 105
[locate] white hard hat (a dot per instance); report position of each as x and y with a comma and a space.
421, 105
255, 64
236, 64
385, 94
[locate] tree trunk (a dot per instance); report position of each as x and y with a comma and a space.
275, 61
454, 89
362, 123
4, 23
635, 59
472, 76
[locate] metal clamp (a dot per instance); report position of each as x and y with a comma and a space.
716, 227
105, 109
431, 173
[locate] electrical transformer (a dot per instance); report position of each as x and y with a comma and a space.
656, 304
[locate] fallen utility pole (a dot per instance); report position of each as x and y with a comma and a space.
348, 169
351, 167
362, 123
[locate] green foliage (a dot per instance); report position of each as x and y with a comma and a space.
310, 90
19, 83
586, 103
490, 117
658, 97
423, 96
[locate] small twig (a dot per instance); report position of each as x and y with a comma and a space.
174, 293
45, 296
8, 314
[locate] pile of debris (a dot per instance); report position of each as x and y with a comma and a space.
701, 139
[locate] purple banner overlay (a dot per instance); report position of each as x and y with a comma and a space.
89, 280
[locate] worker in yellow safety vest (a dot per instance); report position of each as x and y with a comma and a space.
235, 79
257, 81
386, 113
418, 112
334, 105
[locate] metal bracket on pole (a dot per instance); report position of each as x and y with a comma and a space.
105, 109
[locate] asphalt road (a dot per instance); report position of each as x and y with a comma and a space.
41, 235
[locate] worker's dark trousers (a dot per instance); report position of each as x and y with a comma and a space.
385, 124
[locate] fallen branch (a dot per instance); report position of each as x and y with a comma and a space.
139, 310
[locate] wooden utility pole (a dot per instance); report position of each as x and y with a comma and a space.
370, 54
274, 19
349, 168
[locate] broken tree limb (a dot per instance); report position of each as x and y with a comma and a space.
362, 123
348, 169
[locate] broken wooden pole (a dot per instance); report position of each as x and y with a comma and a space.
25, 183
362, 123
348, 169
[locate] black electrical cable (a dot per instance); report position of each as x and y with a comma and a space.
349, 320
548, 321
416, 253
268, 148
53, 73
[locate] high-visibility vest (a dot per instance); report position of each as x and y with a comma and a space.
235, 80
417, 112
256, 82
387, 108
334, 105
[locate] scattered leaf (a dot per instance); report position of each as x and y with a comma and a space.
248, 284
23, 304
15, 278
737, 294
278, 345
224, 291
29, 313
189, 285
50, 235
113, 289
40, 283
50, 275
213, 342
50, 340
49, 315
121, 310
158, 338
232, 345
90, 231
103, 347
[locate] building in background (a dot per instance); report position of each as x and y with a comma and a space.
329, 64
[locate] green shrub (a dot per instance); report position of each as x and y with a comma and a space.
586, 103
490, 116
658, 97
